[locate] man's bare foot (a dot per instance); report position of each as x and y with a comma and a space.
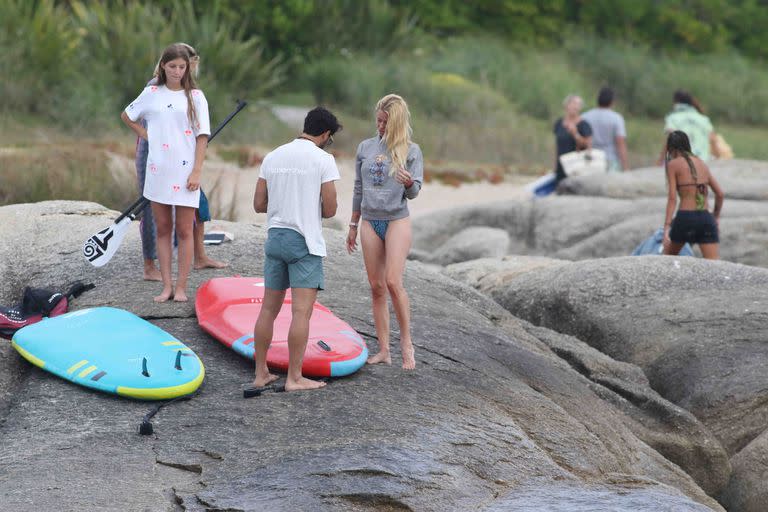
152, 274
264, 380
302, 384
381, 357
163, 297
180, 296
409, 357
209, 263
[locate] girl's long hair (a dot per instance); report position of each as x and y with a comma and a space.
180, 51
678, 141
397, 134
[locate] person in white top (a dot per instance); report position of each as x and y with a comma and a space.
296, 190
177, 131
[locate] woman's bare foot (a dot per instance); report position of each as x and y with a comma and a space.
151, 272
302, 384
381, 357
209, 263
264, 380
164, 296
409, 357
180, 296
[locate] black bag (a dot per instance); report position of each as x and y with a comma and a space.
36, 304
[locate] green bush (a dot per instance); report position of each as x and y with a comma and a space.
39, 42
730, 87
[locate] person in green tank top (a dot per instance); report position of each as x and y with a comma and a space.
688, 116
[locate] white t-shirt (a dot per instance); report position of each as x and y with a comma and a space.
294, 173
172, 141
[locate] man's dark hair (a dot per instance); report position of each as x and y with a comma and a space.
605, 97
319, 120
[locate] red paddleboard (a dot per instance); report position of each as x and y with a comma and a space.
227, 308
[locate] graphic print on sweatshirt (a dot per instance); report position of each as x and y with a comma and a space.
377, 170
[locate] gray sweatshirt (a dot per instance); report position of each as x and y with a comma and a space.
379, 196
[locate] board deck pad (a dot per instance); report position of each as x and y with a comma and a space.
114, 351
227, 309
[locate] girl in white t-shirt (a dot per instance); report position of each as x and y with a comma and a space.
176, 113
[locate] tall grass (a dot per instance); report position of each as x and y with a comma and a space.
731, 87
61, 172
80, 63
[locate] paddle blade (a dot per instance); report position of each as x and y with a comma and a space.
100, 248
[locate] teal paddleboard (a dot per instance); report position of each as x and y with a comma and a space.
114, 351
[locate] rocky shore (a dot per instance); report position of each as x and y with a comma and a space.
501, 414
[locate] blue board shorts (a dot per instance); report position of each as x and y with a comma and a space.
288, 263
203, 210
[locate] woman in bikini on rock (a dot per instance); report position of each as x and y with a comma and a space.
689, 177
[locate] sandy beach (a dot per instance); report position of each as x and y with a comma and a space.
239, 185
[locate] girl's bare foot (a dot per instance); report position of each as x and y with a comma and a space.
302, 384
264, 380
409, 357
381, 357
163, 297
152, 274
209, 263
180, 296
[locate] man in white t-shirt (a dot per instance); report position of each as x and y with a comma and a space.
296, 190
608, 131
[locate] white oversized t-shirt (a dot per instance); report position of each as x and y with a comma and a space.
172, 141
294, 173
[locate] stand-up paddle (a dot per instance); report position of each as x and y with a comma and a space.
100, 248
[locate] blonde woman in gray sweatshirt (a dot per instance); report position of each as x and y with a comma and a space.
389, 170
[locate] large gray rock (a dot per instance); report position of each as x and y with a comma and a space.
491, 411
696, 327
472, 243
575, 227
748, 488
740, 179
487, 274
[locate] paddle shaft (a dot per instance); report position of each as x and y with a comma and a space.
142, 201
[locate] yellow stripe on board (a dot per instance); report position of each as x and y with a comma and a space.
29, 357
86, 371
171, 343
77, 365
163, 393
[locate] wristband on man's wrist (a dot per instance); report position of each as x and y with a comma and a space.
353, 224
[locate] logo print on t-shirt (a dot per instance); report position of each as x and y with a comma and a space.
153, 168
184, 162
153, 88
377, 170
170, 105
187, 132
176, 188
166, 147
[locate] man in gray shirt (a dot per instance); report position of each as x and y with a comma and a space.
608, 131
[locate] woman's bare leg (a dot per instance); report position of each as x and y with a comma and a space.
710, 251
397, 247
164, 223
374, 258
185, 219
673, 249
